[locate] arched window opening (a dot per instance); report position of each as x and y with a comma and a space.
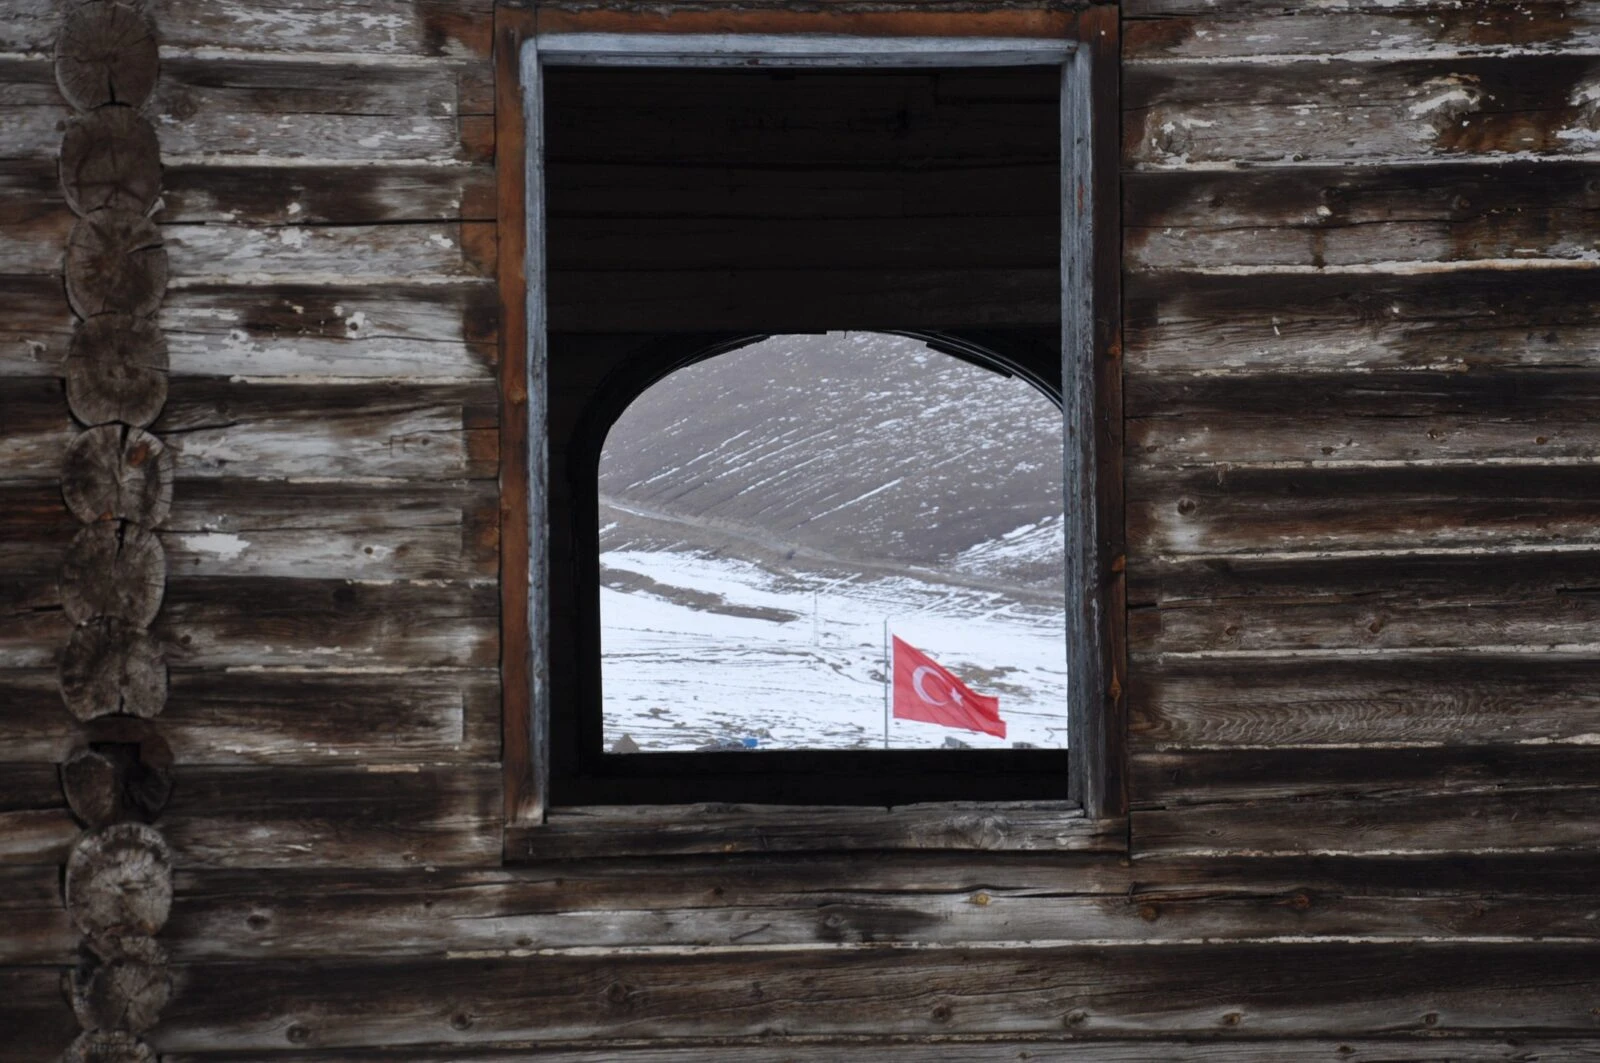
774, 518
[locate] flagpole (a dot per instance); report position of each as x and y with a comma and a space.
888, 681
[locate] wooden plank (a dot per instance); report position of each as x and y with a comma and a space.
1364, 801
1536, 417
524, 741
288, 254
1489, 317
415, 332
1402, 601
238, 192
1578, 1049
1344, 216
236, 622
1283, 990
31, 107
35, 322
1415, 508
446, 28
1490, 18
217, 428
888, 20
381, 816
34, 927
221, 527
1311, 31
319, 110
240, 916
281, 717
1178, 116
35, 826
1392, 700
327, 624
1106, 792
35, 1015
663, 830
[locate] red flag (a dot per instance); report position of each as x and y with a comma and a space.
924, 690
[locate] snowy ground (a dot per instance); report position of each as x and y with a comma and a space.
701, 648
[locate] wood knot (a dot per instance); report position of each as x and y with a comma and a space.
1300, 902
297, 1034
1232, 1018
941, 1013
1187, 506
1431, 1019
616, 994
1149, 913
460, 1021
1075, 1018
256, 921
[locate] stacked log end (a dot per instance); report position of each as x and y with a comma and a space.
116, 480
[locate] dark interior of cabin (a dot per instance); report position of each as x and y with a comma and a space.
315, 316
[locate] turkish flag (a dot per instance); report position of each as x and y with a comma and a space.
924, 690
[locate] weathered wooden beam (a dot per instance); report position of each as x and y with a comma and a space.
116, 370
1353, 216
116, 473
119, 882
105, 53
292, 716
109, 1047
1228, 991
678, 829
123, 984
1456, 506
1488, 315
34, 927
110, 158
113, 571
1179, 116
116, 263
1364, 800
35, 824
1577, 1048
112, 666
382, 816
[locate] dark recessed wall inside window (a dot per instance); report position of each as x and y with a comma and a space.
771, 201
691, 208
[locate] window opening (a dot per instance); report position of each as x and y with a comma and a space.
833, 542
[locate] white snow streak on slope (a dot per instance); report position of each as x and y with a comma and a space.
675, 676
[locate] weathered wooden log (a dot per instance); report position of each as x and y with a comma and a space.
89, 779
119, 882
115, 264
122, 984
113, 781
116, 370
108, 1047
116, 473
111, 666
113, 570
106, 53
110, 159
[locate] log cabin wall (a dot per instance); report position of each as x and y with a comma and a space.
1358, 344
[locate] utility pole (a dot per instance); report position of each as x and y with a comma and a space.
888, 681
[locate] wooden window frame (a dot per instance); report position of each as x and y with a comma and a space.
1092, 814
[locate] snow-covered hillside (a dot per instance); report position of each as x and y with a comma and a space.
764, 513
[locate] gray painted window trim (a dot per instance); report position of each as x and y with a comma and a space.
1085, 672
